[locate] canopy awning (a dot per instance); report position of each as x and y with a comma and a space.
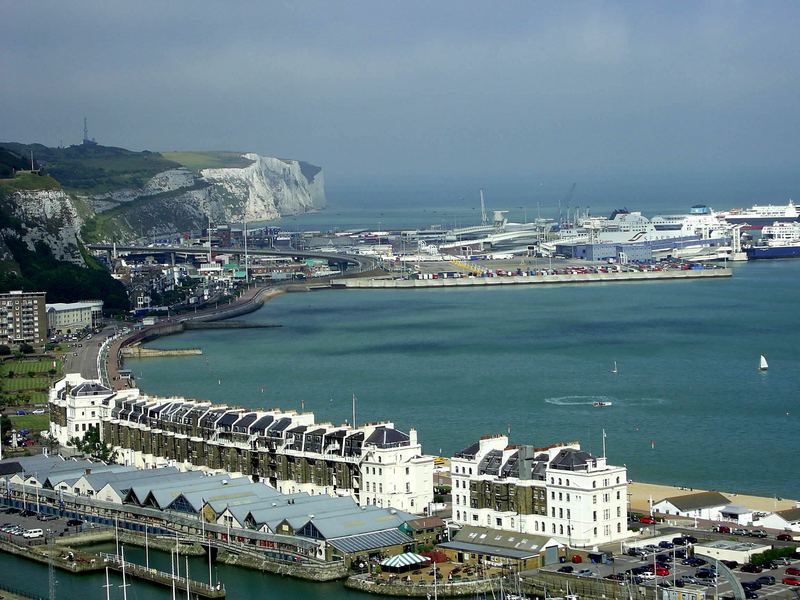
403, 560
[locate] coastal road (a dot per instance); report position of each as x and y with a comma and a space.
82, 354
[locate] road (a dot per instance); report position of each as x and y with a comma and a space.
82, 354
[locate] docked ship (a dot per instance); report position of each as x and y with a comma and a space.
760, 215
779, 240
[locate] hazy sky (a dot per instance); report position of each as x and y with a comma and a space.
416, 91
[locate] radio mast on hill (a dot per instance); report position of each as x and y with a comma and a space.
87, 141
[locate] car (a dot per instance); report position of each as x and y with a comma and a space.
688, 579
566, 569
648, 520
690, 539
27, 513
652, 548
731, 564
647, 575
663, 558
679, 553
759, 533
750, 568
679, 541
38, 411
666, 544
47, 517
705, 575
751, 585
769, 564
721, 529
662, 572
793, 571
750, 594
74, 523
739, 531
784, 537
74, 354
585, 573
766, 580
791, 580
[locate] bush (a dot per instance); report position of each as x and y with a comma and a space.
5, 350
761, 558
26, 348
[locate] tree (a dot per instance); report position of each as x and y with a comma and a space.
26, 348
91, 445
5, 350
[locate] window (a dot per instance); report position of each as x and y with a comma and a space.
560, 513
458, 515
553, 511
594, 515
617, 479
619, 528
559, 481
595, 531
594, 499
470, 470
569, 514
567, 497
408, 471
499, 521
594, 484
561, 529
552, 495
380, 488
560, 496
475, 518
536, 525
619, 511
567, 482
512, 523
408, 487
380, 471
618, 495
554, 527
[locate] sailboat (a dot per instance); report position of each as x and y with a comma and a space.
762, 365
614, 370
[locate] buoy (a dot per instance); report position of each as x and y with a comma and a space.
219, 381
653, 444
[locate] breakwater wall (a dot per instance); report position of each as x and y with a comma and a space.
311, 572
453, 282
364, 583
139, 352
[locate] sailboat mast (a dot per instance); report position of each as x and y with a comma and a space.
354, 411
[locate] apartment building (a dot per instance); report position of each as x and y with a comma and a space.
559, 491
376, 463
23, 318
72, 317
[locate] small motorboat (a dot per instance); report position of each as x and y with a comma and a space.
600, 403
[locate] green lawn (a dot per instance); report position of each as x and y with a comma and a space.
207, 160
30, 422
28, 181
21, 384
23, 367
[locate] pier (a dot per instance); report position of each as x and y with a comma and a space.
569, 278
196, 588
139, 352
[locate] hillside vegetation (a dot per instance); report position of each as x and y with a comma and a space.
92, 168
197, 160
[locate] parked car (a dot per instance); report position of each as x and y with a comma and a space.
731, 564
662, 571
666, 544
791, 580
585, 573
688, 579
759, 533
567, 569
750, 568
793, 571
739, 531
721, 529
74, 523
784, 537
750, 594
769, 564
647, 519
33, 533
766, 580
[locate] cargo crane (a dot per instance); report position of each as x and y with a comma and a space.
567, 199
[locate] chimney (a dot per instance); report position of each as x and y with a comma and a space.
412, 436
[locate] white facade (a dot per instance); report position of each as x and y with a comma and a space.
559, 491
785, 520
63, 318
77, 404
702, 505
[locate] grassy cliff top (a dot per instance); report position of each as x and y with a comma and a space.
93, 168
29, 181
197, 160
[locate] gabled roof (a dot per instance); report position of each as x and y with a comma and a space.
790, 515
697, 501
498, 538
371, 541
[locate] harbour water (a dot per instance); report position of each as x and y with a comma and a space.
689, 406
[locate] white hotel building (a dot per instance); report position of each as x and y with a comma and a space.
559, 491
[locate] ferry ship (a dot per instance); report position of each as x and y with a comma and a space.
779, 240
761, 215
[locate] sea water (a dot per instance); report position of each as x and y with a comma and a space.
689, 406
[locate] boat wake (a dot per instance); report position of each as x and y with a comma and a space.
578, 400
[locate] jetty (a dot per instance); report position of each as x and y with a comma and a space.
538, 279
140, 352
196, 588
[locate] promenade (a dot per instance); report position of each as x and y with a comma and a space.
641, 494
